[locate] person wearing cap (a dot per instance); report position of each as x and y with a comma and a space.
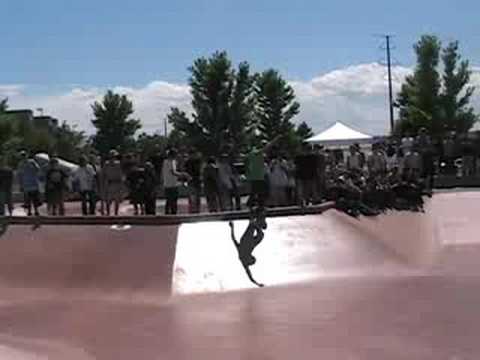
28, 173
113, 179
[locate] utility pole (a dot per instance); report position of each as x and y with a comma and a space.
390, 90
165, 127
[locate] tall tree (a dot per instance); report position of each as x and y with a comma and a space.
113, 122
222, 101
69, 141
429, 99
211, 85
418, 99
457, 115
149, 145
242, 105
275, 105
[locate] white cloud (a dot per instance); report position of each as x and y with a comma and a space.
356, 95
10, 90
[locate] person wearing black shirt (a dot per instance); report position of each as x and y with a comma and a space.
306, 173
210, 182
136, 185
193, 167
6, 181
150, 189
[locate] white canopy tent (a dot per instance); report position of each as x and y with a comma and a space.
340, 135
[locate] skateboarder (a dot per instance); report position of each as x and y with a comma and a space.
252, 236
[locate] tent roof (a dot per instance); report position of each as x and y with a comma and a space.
339, 133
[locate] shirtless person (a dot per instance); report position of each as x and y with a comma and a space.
249, 241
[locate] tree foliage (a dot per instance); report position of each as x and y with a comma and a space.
276, 105
147, 145
232, 107
18, 133
222, 100
437, 102
113, 122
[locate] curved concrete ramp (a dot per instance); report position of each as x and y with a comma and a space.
197, 258
346, 289
101, 258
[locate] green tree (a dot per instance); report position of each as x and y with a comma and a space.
275, 106
242, 105
148, 145
113, 122
431, 100
222, 101
70, 142
457, 115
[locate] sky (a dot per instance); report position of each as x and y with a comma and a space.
62, 55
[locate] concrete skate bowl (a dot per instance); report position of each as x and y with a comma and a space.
334, 289
200, 257
88, 259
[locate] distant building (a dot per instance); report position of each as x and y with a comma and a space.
45, 122
20, 115
40, 122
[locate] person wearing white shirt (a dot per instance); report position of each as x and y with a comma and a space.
85, 177
171, 182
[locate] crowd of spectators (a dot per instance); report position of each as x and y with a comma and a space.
373, 177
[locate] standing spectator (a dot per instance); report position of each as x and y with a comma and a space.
225, 182
113, 182
391, 157
425, 147
150, 189
55, 186
363, 157
321, 170
136, 185
377, 164
28, 175
98, 192
6, 183
171, 182
210, 185
413, 165
85, 175
256, 173
236, 185
193, 167
449, 154
291, 184
306, 174
468, 158
278, 176
354, 160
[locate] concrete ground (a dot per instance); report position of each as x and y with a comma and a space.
401, 286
